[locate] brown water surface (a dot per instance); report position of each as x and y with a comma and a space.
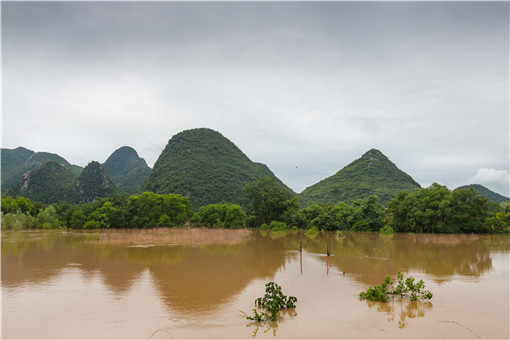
193, 283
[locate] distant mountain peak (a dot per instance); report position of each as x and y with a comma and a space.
481, 190
205, 166
127, 170
374, 153
371, 174
94, 181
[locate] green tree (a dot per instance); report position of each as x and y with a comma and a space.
427, 210
20, 204
114, 215
221, 216
99, 218
146, 210
498, 222
366, 214
48, 218
469, 211
268, 201
78, 219
9, 205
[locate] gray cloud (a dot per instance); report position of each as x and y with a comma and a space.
312, 85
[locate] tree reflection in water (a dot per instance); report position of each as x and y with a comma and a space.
402, 309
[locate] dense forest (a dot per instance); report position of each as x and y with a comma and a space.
435, 209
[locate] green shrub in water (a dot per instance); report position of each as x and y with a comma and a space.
404, 287
272, 302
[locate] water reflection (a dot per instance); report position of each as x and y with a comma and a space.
370, 256
400, 310
197, 281
196, 271
209, 276
271, 327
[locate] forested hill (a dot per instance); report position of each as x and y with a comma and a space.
93, 182
52, 182
16, 162
127, 170
206, 167
49, 183
481, 190
372, 174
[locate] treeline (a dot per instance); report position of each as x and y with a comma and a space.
147, 210
435, 209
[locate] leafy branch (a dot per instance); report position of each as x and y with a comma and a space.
272, 302
404, 287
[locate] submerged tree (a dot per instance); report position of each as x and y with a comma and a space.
272, 303
404, 287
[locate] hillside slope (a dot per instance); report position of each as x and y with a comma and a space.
481, 190
16, 162
94, 181
372, 174
206, 167
49, 183
127, 170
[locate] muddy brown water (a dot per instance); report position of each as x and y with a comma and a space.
181, 283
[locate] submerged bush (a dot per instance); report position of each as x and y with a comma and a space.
404, 287
272, 302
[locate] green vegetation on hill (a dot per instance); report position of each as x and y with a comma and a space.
94, 182
52, 183
41, 157
13, 165
206, 167
372, 174
49, 183
481, 190
134, 179
127, 169
16, 162
13, 158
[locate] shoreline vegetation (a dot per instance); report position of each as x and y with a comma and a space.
435, 209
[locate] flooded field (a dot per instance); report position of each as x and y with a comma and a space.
189, 283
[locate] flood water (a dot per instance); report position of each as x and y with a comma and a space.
182, 283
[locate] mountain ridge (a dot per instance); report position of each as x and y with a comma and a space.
207, 167
486, 192
16, 162
49, 183
371, 174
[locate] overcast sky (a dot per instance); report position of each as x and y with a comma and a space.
305, 88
